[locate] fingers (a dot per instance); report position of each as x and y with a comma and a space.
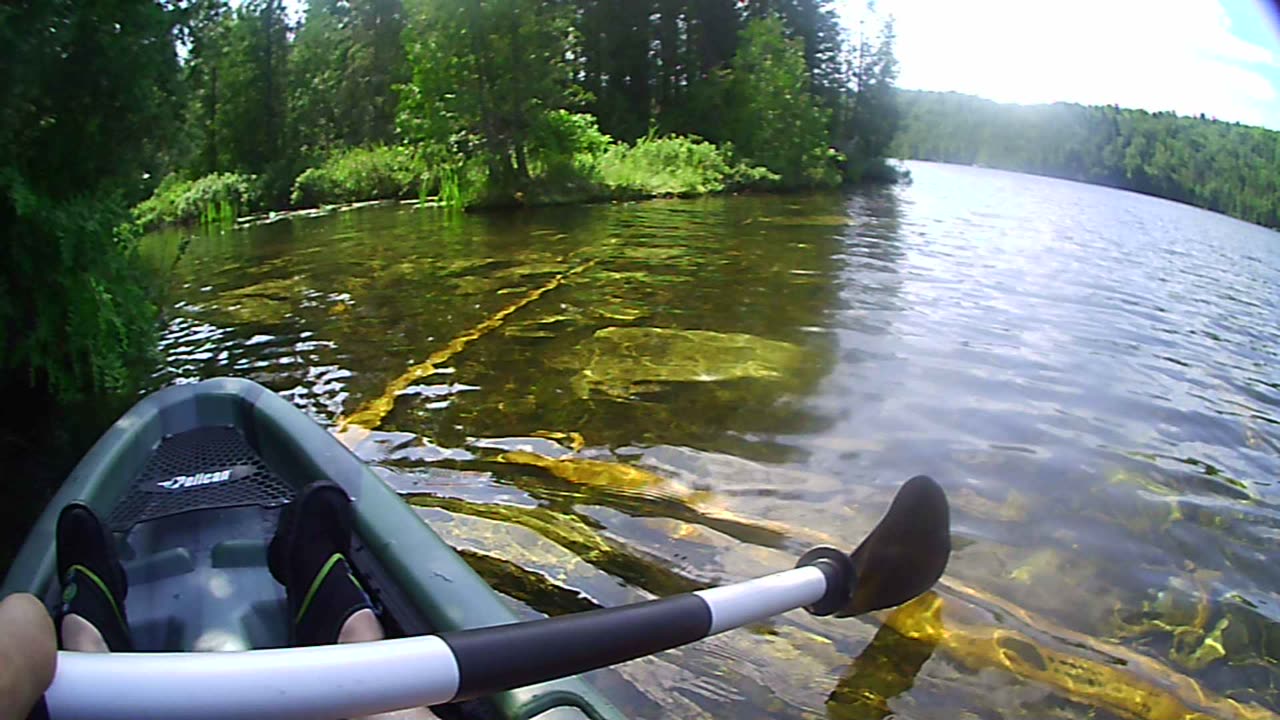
28, 654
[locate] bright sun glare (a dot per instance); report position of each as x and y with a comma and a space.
1190, 56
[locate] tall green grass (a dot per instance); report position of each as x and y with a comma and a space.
676, 165
364, 173
215, 199
570, 160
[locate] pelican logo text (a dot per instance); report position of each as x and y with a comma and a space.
186, 481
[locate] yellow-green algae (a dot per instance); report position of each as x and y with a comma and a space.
621, 361
639, 492
573, 439
530, 588
1120, 681
571, 532
356, 426
1014, 508
1184, 611
805, 221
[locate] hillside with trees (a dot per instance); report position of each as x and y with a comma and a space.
1225, 167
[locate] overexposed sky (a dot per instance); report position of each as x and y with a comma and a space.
1217, 57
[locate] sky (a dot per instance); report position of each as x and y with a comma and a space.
1217, 57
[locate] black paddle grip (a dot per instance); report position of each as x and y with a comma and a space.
510, 656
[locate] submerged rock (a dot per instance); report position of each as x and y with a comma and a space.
263, 303
623, 361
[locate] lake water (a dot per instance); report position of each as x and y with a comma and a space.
603, 404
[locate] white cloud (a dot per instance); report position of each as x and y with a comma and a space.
1152, 54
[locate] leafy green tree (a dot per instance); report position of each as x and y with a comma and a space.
618, 66
815, 25
237, 80
484, 74
657, 63
376, 66
203, 29
251, 120
776, 121
867, 118
317, 73
345, 61
91, 88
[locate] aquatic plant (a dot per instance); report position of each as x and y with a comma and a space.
215, 199
354, 174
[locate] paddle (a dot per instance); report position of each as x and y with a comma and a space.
901, 558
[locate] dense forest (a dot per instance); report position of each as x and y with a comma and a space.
1226, 167
516, 101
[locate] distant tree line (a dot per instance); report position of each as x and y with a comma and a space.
1225, 167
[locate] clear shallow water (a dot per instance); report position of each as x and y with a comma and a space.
633, 400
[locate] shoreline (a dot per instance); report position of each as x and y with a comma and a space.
267, 217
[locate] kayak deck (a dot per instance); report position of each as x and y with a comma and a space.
199, 582
200, 469
196, 521
193, 479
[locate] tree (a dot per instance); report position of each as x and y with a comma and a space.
776, 121
345, 61
484, 74
74, 317
868, 117
251, 118
237, 82
617, 68
814, 24
317, 75
203, 29
376, 66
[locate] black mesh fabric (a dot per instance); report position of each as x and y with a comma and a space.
210, 467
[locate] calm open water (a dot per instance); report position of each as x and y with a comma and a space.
626, 401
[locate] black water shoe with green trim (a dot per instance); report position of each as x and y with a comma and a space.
308, 555
94, 583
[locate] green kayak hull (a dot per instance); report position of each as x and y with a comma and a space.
192, 479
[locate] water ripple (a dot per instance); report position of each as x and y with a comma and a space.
1089, 373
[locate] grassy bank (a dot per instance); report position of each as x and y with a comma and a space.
579, 165
212, 199
675, 166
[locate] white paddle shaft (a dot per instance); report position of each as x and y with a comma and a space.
355, 679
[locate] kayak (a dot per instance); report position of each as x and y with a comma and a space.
192, 482
192, 479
